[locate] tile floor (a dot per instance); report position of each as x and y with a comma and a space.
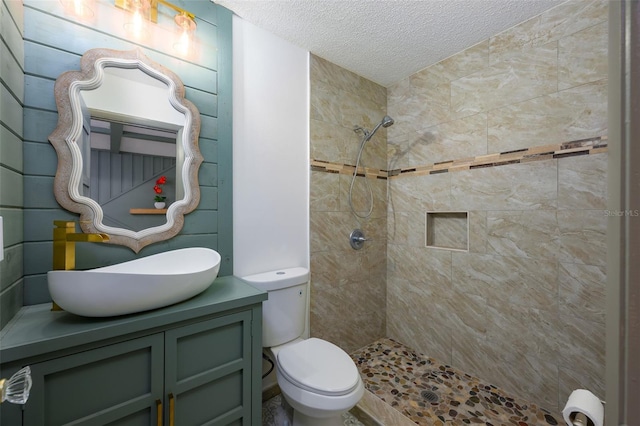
430, 393
275, 413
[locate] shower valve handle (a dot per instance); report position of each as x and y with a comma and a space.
357, 239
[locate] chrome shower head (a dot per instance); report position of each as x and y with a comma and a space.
386, 122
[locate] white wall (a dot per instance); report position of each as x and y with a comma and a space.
270, 152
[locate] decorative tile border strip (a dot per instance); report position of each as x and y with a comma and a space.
589, 146
347, 169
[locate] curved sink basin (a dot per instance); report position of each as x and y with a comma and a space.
135, 286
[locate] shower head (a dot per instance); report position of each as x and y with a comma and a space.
386, 122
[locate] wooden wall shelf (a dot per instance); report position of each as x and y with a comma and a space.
147, 211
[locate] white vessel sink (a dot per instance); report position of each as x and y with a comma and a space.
135, 286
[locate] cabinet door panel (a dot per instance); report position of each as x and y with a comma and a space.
98, 387
207, 368
141, 418
215, 403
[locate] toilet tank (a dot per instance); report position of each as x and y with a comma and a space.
284, 312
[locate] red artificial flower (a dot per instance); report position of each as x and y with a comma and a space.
157, 189
162, 180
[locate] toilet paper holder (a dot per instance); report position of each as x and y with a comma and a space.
580, 419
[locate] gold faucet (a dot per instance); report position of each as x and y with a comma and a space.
64, 246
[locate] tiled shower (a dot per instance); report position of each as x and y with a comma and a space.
503, 146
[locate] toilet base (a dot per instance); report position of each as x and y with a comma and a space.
300, 419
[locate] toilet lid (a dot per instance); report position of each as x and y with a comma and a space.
318, 366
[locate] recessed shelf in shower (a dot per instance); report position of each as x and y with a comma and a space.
447, 230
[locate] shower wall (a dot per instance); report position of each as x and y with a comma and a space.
348, 287
512, 131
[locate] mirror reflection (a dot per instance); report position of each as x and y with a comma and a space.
130, 136
132, 140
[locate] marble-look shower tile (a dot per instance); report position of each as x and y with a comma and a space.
523, 76
332, 269
357, 110
582, 291
373, 91
526, 330
321, 70
582, 236
401, 149
325, 103
469, 315
529, 377
345, 80
582, 182
478, 231
375, 230
420, 193
324, 194
409, 320
507, 280
420, 108
572, 114
524, 186
329, 141
581, 346
399, 91
374, 258
582, 56
420, 264
463, 63
333, 308
567, 18
514, 40
406, 228
374, 154
463, 138
361, 197
531, 234
329, 231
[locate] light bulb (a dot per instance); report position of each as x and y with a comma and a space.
78, 8
186, 26
136, 26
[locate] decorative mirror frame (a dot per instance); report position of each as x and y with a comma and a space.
68, 131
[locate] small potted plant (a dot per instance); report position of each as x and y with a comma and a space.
159, 199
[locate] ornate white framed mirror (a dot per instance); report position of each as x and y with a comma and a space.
125, 135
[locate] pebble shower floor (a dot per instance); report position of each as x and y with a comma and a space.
430, 393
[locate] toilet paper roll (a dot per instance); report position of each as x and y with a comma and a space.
583, 401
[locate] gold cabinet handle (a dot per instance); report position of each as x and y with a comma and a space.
159, 411
172, 409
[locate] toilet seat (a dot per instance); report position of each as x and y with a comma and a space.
318, 366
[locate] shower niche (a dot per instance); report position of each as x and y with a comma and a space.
447, 230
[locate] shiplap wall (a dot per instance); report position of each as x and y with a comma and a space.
11, 163
54, 43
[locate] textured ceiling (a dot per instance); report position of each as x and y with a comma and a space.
386, 40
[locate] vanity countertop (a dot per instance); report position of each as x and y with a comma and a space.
36, 330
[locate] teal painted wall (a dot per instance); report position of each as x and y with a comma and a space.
54, 43
11, 160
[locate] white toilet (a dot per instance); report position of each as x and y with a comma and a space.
317, 378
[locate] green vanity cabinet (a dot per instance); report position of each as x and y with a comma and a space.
116, 384
194, 363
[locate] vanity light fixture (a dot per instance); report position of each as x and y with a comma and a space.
187, 26
140, 10
79, 9
147, 10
